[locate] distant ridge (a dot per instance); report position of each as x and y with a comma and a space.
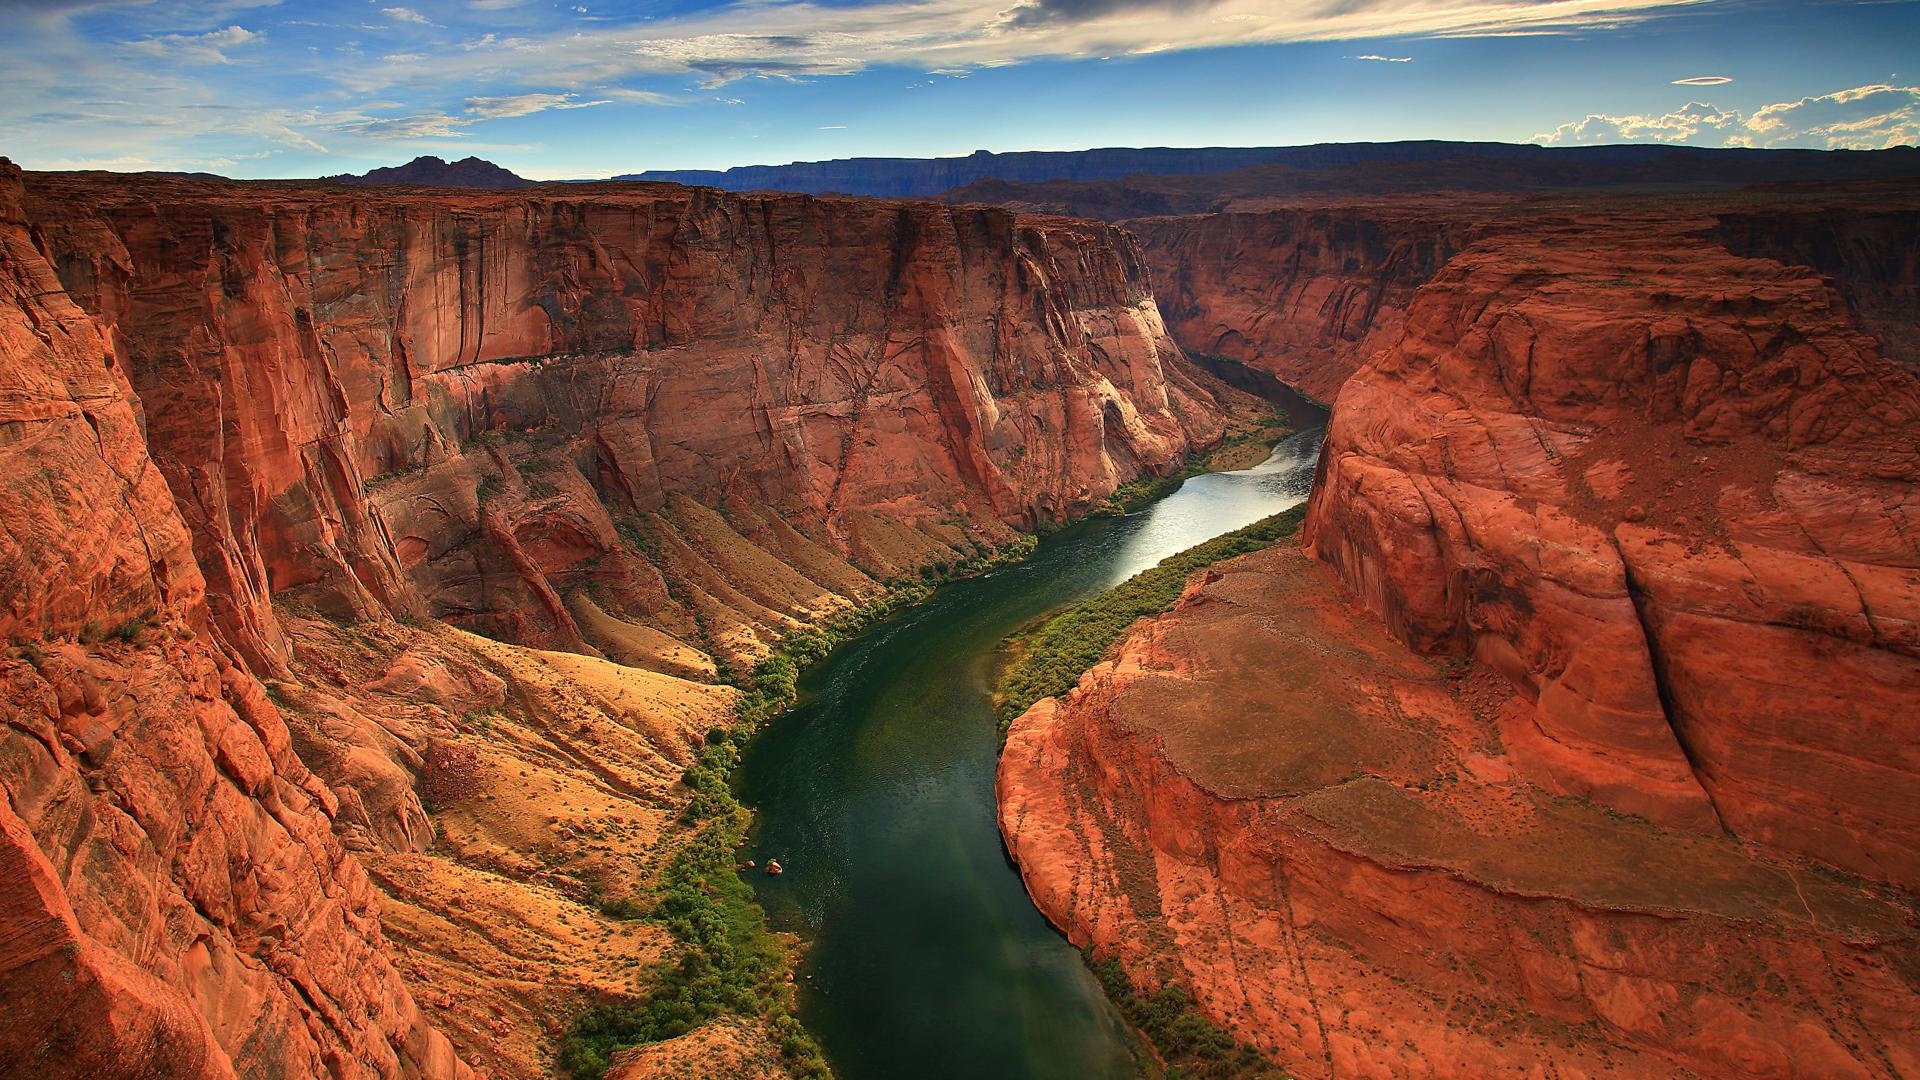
429, 171
924, 177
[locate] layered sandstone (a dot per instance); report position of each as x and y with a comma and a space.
858, 389
1670, 493
1266, 798
1579, 730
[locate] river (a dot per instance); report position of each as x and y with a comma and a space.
875, 792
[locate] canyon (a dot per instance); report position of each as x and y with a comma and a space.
370, 557
377, 561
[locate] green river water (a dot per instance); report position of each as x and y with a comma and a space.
926, 959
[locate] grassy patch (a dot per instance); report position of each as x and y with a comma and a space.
1050, 659
1192, 1047
730, 962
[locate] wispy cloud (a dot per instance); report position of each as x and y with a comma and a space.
496, 108
207, 48
352, 77
1870, 117
797, 39
1704, 80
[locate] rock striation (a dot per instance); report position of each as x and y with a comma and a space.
1576, 729
507, 409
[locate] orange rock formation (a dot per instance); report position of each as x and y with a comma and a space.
1577, 731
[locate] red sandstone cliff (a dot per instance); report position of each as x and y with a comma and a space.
1580, 733
176, 902
256, 432
521, 375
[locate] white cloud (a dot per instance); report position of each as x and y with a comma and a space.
1862, 118
1684, 124
1704, 80
208, 48
432, 124
1385, 59
402, 14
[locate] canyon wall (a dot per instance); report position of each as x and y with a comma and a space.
176, 901
1577, 728
1304, 294
267, 812
506, 410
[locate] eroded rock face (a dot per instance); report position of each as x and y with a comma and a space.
176, 900
1670, 493
1265, 797
885, 386
1579, 728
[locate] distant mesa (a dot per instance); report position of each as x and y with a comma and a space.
429, 171
1413, 165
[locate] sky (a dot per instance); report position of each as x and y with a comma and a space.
563, 89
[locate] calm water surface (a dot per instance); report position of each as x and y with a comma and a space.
876, 795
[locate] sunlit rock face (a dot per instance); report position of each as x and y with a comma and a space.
1577, 727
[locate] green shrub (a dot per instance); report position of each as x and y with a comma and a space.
1187, 1041
729, 963
1050, 659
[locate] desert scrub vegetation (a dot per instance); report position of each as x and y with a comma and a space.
730, 962
1190, 1045
1050, 658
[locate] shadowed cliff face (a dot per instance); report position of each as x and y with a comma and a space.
1306, 295
1578, 727
257, 432
1872, 259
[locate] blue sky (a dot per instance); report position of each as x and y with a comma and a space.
581, 88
